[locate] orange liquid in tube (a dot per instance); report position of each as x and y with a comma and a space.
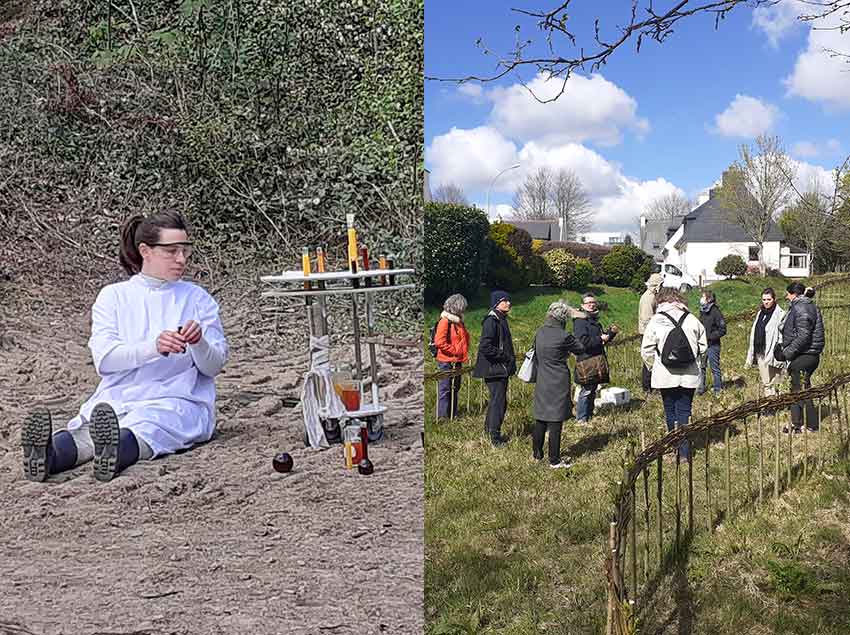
305, 266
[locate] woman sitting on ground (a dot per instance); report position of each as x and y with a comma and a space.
452, 342
552, 400
157, 344
677, 382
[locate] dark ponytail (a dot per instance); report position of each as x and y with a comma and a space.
140, 229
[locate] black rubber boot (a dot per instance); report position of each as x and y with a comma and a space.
62, 452
114, 449
35, 442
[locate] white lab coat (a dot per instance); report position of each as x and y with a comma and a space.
168, 402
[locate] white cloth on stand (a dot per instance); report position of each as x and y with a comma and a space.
318, 398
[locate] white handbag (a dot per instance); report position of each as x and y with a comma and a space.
526, 371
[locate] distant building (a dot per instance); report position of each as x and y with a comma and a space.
706, 235
538, 229
609, 239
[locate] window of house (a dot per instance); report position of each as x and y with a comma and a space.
754, 253
798, 262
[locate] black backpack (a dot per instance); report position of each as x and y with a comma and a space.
677, 352
432, 346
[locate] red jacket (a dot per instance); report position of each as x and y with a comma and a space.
452, 340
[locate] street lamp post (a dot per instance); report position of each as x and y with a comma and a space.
493, 182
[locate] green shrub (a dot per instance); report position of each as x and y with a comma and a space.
562, 267
621, 265
510, 258
730, 265
638, 282
455, 250
583, 274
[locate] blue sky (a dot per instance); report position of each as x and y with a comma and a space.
670, 118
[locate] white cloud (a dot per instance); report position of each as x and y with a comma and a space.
469, 157
812, 150
810, 177
805, 149
500, 210
746, 117
473, 91
591, 109
817, 75
778, 20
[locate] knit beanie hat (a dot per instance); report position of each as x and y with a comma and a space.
497, 296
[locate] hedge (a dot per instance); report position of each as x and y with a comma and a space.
455, 250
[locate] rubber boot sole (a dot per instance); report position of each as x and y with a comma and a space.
35, 438
105, 434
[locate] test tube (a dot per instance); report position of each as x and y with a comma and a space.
320, 264
382, 264
364, 256
305, 266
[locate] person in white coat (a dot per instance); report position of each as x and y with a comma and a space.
764, 335
678, 384
157, 345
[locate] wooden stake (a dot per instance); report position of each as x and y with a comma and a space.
761, 458
646, 525
749, 477
659, 493
728, 472
690, 488
709, 519
776, 475
633, 529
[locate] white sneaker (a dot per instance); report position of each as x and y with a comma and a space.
560, 466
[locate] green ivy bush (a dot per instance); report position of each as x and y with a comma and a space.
562, 267
730, 266
624, 264
511, 258
582, 276
455, 250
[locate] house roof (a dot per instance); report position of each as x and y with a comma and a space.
539, 229
708, 224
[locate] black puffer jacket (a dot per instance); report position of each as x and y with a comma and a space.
714, 323
494, 329
801, 334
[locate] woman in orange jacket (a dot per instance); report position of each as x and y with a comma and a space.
452, 342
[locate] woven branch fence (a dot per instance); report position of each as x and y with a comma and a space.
655, 519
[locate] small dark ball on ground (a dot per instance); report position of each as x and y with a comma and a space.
282, 462
365, 467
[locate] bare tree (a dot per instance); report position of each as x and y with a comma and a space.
819, 218
571, 204
645, 21
533, 201
756, 188
668, 206
450, 193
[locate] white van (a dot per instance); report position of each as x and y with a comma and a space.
675, 278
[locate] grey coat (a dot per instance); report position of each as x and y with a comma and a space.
552, 346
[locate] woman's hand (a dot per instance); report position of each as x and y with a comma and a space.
192, 332
170, 342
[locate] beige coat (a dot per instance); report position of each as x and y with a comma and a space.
646, 307
657, 330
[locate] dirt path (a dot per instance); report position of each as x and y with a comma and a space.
212, 540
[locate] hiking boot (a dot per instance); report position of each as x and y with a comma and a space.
36, 435
105, 434
560, 466
792, 430
498, 441
583, 423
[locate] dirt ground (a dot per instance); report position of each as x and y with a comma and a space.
211, 540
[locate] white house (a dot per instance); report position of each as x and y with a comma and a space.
705, 236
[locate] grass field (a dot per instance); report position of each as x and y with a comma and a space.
512, 547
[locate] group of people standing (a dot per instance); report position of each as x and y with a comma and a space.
677, 349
